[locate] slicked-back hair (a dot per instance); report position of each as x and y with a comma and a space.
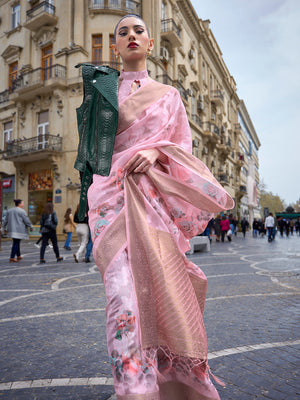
128, 16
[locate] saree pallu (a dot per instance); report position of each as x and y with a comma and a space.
140, 225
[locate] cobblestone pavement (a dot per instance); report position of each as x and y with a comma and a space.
52, 323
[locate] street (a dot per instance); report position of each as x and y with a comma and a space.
53, 343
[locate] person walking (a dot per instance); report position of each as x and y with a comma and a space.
69, 228
153, 196
217, 227
82, 232
244, 226
48, 224
16, 223
225, 227
89, 249
270, 225
255, 228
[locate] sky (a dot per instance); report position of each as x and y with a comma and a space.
260, 42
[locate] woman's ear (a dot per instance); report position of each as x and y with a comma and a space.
151, 44
114, 47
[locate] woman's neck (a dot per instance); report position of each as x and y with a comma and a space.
134, 66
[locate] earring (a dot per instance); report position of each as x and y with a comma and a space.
149, 52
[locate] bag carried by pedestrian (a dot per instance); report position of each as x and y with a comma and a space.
229, 233
49, 223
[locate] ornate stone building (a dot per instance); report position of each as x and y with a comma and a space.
40, 88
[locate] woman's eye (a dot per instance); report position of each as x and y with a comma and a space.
139, 31
123, 33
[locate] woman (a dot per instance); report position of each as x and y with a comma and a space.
69, 228
82, 232
225, 226
156, 197
16, 223
48, 224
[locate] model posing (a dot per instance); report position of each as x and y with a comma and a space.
141, 216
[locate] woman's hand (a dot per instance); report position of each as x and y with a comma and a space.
142, 161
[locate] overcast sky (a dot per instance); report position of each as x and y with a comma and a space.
260, 42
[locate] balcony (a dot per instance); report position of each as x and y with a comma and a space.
181, 90
37, 148
197, 120
243, 189
113, 6
4, 96
223, 179
216, 96
165, 79
39, 80
237, 127
40, 15
170, 32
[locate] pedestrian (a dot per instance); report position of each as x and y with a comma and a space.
244, 226
287, 227
89, 249
255, 228
281, 225
82, 232
297, 226
225, 227
217, 227
232, 223
156, 196
16, 223
69, 228
270, 225
48, 224
292, 227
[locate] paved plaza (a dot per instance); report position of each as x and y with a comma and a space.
52, 322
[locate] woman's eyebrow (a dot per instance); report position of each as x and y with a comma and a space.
135, 26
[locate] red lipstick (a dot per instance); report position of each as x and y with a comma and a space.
132, 45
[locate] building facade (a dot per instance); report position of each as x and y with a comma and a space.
40, 89
248, 195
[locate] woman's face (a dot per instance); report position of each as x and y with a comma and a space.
132, 40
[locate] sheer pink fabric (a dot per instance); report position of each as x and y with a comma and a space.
140, 226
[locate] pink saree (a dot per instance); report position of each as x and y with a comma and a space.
140, 225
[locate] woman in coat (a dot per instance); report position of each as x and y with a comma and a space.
48, 230
16, 223
225, 226
69, 228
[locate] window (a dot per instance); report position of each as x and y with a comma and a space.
47, 58
163, 11
15, 16
115, 4
211, 82
7, 133
114, 61
97, 49
43, 129
203, 72
12, 75
194, 111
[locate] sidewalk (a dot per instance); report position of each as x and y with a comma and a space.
53, 322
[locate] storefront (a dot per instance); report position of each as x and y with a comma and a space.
40, 192
8, 194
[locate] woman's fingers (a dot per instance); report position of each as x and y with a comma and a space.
142, 161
